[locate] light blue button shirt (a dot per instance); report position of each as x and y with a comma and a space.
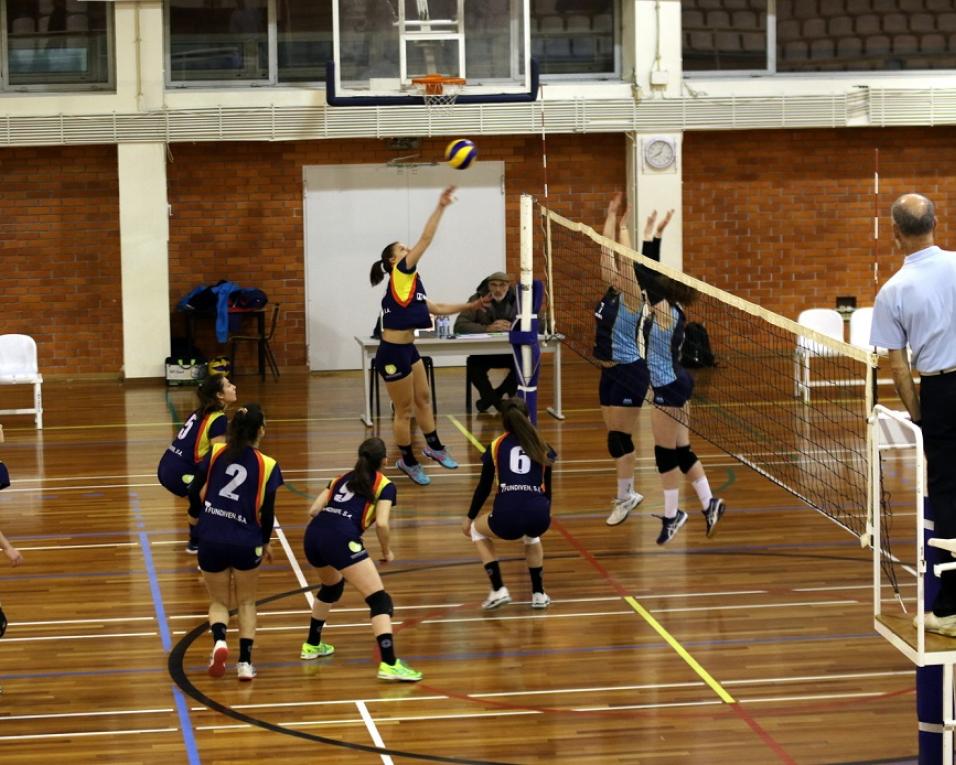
917, 306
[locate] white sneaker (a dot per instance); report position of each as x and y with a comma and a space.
217, 661
496, 598
245, 670
540, 600
621, 508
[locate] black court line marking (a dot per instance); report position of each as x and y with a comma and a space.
175, 665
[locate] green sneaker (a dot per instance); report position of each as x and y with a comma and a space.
398, 671
310, 651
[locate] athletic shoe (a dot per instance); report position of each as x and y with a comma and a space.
399, 671
192, 548
246, 671
217, 662
713, 513
670, 526
496, 598
310, 651
416, 472
941, 625
441, 456
621, 508
540, 600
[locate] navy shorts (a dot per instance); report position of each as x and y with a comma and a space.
393, 361
215, 557
517, 515
171, 474
329, 545
676, 393
624, 384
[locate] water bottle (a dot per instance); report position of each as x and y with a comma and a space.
443, 329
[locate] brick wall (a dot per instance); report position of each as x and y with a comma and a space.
60, 255
785, 218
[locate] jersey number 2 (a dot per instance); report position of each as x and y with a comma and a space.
239, 475
518, 461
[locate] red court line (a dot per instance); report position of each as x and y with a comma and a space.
771, 743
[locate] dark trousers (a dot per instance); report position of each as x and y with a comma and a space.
938, 410
477, 369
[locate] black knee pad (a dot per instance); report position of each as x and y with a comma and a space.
331, 593
379, 603
619, 443
686, 459
3, 623
666, 459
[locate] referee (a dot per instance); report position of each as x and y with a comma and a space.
917, 307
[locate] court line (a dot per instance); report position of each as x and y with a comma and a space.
26, 736
182, 708
296, 568
373, 732
466, 433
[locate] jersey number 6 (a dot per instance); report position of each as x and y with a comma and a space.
518, 461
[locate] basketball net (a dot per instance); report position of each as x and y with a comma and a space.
437, 90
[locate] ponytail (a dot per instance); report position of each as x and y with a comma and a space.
208, 393
514, 417
371, 455
244, 429
382, 266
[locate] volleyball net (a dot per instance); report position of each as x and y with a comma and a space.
781, 398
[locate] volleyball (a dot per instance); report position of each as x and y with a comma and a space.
460, 153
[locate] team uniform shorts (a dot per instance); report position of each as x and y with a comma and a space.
171, 474
624, 384
216, 556
327, 545
676, 393
519, 515
394, 361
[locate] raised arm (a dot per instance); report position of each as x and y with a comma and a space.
610, 271
431, 226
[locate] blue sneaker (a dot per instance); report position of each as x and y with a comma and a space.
670, 526
441, 456
416, 472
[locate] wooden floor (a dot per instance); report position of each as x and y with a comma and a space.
756, 646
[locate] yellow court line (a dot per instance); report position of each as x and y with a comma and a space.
681, 651
467, 433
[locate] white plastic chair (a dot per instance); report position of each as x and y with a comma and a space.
826, 321
18, 366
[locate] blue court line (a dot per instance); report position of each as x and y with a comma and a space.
182, 710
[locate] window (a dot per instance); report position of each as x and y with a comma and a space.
818, 35
56, 44
574, 37
234, 41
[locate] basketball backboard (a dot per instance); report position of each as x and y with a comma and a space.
379, 46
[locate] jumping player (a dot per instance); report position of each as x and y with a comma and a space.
663, 336
203, 428
333, 544
624, 376
405, 308
519, 463
232, 503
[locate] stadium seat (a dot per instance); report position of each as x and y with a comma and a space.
840, 26
18, 366
826, 321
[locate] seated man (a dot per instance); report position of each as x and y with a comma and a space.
496, 317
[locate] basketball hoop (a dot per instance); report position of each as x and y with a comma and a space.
437, 90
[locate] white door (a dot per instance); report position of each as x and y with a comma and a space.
353, 211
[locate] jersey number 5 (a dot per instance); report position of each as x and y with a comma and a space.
518, 461
184, 431
239, 475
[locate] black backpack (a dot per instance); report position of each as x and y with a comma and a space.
696, 352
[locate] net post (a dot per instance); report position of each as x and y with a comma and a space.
527, 276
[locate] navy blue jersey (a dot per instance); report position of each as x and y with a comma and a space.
236, 488
350, 511
405, 305
616, 329
662, 346
515, 471
193, 440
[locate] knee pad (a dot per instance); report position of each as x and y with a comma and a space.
476, 536
379, 603
331, 593
619, 443
686, 459
530, 540
666, 459
3, 623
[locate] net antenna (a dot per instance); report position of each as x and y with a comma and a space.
745, 405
